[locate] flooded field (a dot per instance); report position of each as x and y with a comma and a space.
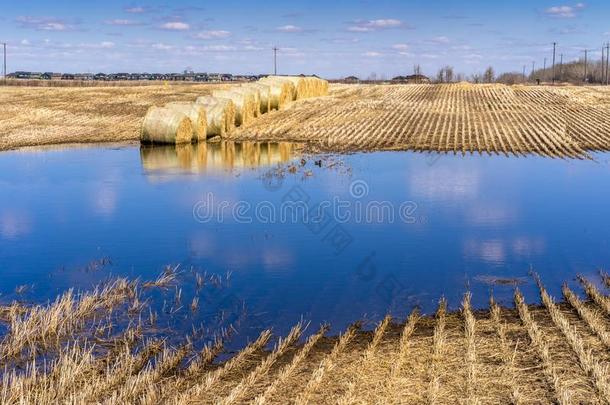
397, 229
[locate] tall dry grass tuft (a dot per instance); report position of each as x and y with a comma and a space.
605, 277
586, 359
290, 368
263, 368
596, 296
507, 355
213, 378
439, 339
593, 319
562, 393
404, 345
326, 365
365, 362
41, 327
471, 353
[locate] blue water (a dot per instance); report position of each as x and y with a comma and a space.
73, 217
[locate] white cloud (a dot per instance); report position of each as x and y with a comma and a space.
400, 47
175, 26
219, 48
289, 29
218, 34
135, 10
107, 44
121, 22
162, 47
44, 23
440, 40
25, 42
564, 11
374, 25
372, 54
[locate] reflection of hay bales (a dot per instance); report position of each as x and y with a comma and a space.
244, 104
201, 157
280, 92
196, 114
264, 91
220, 113
164, 125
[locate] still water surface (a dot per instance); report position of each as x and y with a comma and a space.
419, 227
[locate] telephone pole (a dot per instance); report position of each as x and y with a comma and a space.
607, 61
544, 70
524, 73
275, 49
4, 62
603, 77
585, 51
561, 67
554, 47
533, 68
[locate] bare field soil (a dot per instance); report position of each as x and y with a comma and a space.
458, 118
33, 116
553, 353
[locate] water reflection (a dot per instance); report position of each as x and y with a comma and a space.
203, 157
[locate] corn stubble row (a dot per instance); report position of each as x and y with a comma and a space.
553, 353
458, 118
226, 109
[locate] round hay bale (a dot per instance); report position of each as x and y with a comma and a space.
264, 91
281, 92
221, 115
244, 104
196, 114
165, 125
300, 86
254, 95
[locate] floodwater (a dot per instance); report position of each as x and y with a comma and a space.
331, 238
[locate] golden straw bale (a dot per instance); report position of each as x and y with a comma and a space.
282, 92
243, 101
265, 95
196, 114
255, 94
284, 79
164, 125
221, 115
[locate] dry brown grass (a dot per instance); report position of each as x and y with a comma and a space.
458, 118
33, 116
529, 355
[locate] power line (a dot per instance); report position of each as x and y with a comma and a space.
586, 52
607, 61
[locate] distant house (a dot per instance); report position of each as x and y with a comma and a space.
411, 79
51, 76
351, 79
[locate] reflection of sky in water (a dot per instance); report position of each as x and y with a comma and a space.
475, 216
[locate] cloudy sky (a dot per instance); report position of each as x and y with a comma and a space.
331, 38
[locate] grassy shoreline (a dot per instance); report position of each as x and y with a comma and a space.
553, 352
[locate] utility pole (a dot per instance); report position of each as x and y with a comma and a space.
275, 49
533, 68
585, 51
607, 61
554, 47
544, 70
603, 78
524, 73
4, 63
561, 67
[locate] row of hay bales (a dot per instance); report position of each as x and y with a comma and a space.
220, 113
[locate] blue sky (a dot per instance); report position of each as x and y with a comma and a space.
329, 38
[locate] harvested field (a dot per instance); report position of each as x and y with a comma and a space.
32, 116
458, 118
553, 353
